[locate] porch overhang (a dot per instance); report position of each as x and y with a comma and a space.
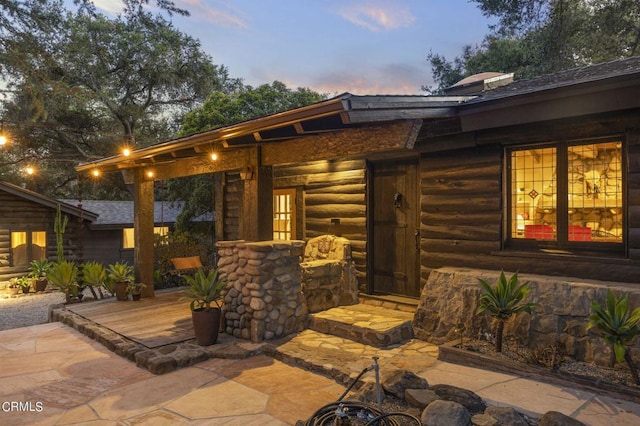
337, 114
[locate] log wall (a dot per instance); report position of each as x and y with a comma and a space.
462, 210
331, 190
18, 214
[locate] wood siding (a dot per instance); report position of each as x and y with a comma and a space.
18, 214
331, 190
463, 206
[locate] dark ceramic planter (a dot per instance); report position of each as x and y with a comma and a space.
41, 284
121, 291
206, 324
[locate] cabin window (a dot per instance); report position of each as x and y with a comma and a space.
284, 214
128, 235
567, 194
27, 246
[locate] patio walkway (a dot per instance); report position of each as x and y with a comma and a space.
53, 375
335, 358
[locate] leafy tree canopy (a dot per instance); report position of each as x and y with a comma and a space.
536, 37
222, 109
83, 85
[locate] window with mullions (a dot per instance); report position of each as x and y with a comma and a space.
567, 193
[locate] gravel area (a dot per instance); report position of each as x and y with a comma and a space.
26, 310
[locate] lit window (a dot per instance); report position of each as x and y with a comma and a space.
27, 246
567, 193
128, 241
284, 214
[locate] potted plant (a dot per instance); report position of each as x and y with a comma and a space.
135, 289
63, 276
24, 283
204, 290
39, 270
120, 274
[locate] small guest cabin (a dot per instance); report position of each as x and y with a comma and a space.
27, 229
541, 176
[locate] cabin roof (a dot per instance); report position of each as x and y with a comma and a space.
589, 74
351, 111
114, 214
43, 200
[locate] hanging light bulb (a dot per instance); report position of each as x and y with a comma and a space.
95, 172
214, 156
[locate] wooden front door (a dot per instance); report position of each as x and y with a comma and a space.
395, 215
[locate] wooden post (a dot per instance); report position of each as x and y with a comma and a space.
256, 222
143, 221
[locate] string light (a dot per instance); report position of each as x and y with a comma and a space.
3, 140
126, 152
95, 172
30, 170
214, 156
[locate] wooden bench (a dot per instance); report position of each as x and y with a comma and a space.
185, 265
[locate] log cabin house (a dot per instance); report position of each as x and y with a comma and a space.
27, 229
540, 176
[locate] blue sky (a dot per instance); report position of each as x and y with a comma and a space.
331, 46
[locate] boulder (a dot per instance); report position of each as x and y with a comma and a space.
470, 400
506, 416
397, 381
445, 413
420, 398
554, 418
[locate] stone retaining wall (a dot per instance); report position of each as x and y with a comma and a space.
451, 296
263, 299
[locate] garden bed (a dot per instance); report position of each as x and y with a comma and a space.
615, 382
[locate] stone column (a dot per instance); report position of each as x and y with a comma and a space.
263, 299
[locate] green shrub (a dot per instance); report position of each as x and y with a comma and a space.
504, 300
618, 326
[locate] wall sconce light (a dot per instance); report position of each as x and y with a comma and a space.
247, 173
150, 174
214, 156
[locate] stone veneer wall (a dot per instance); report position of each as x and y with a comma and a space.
451, 296
263, 299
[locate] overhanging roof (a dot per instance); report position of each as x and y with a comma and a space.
46, 201
570, 92
335, 114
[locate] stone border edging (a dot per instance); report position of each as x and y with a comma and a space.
162, 360
449, 353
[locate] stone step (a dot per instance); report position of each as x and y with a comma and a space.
343, 359
364, 323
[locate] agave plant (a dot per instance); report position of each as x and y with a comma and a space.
63, 275
618, 325
504, 300
205, 288
94, 275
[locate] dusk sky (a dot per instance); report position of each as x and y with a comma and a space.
331, 46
